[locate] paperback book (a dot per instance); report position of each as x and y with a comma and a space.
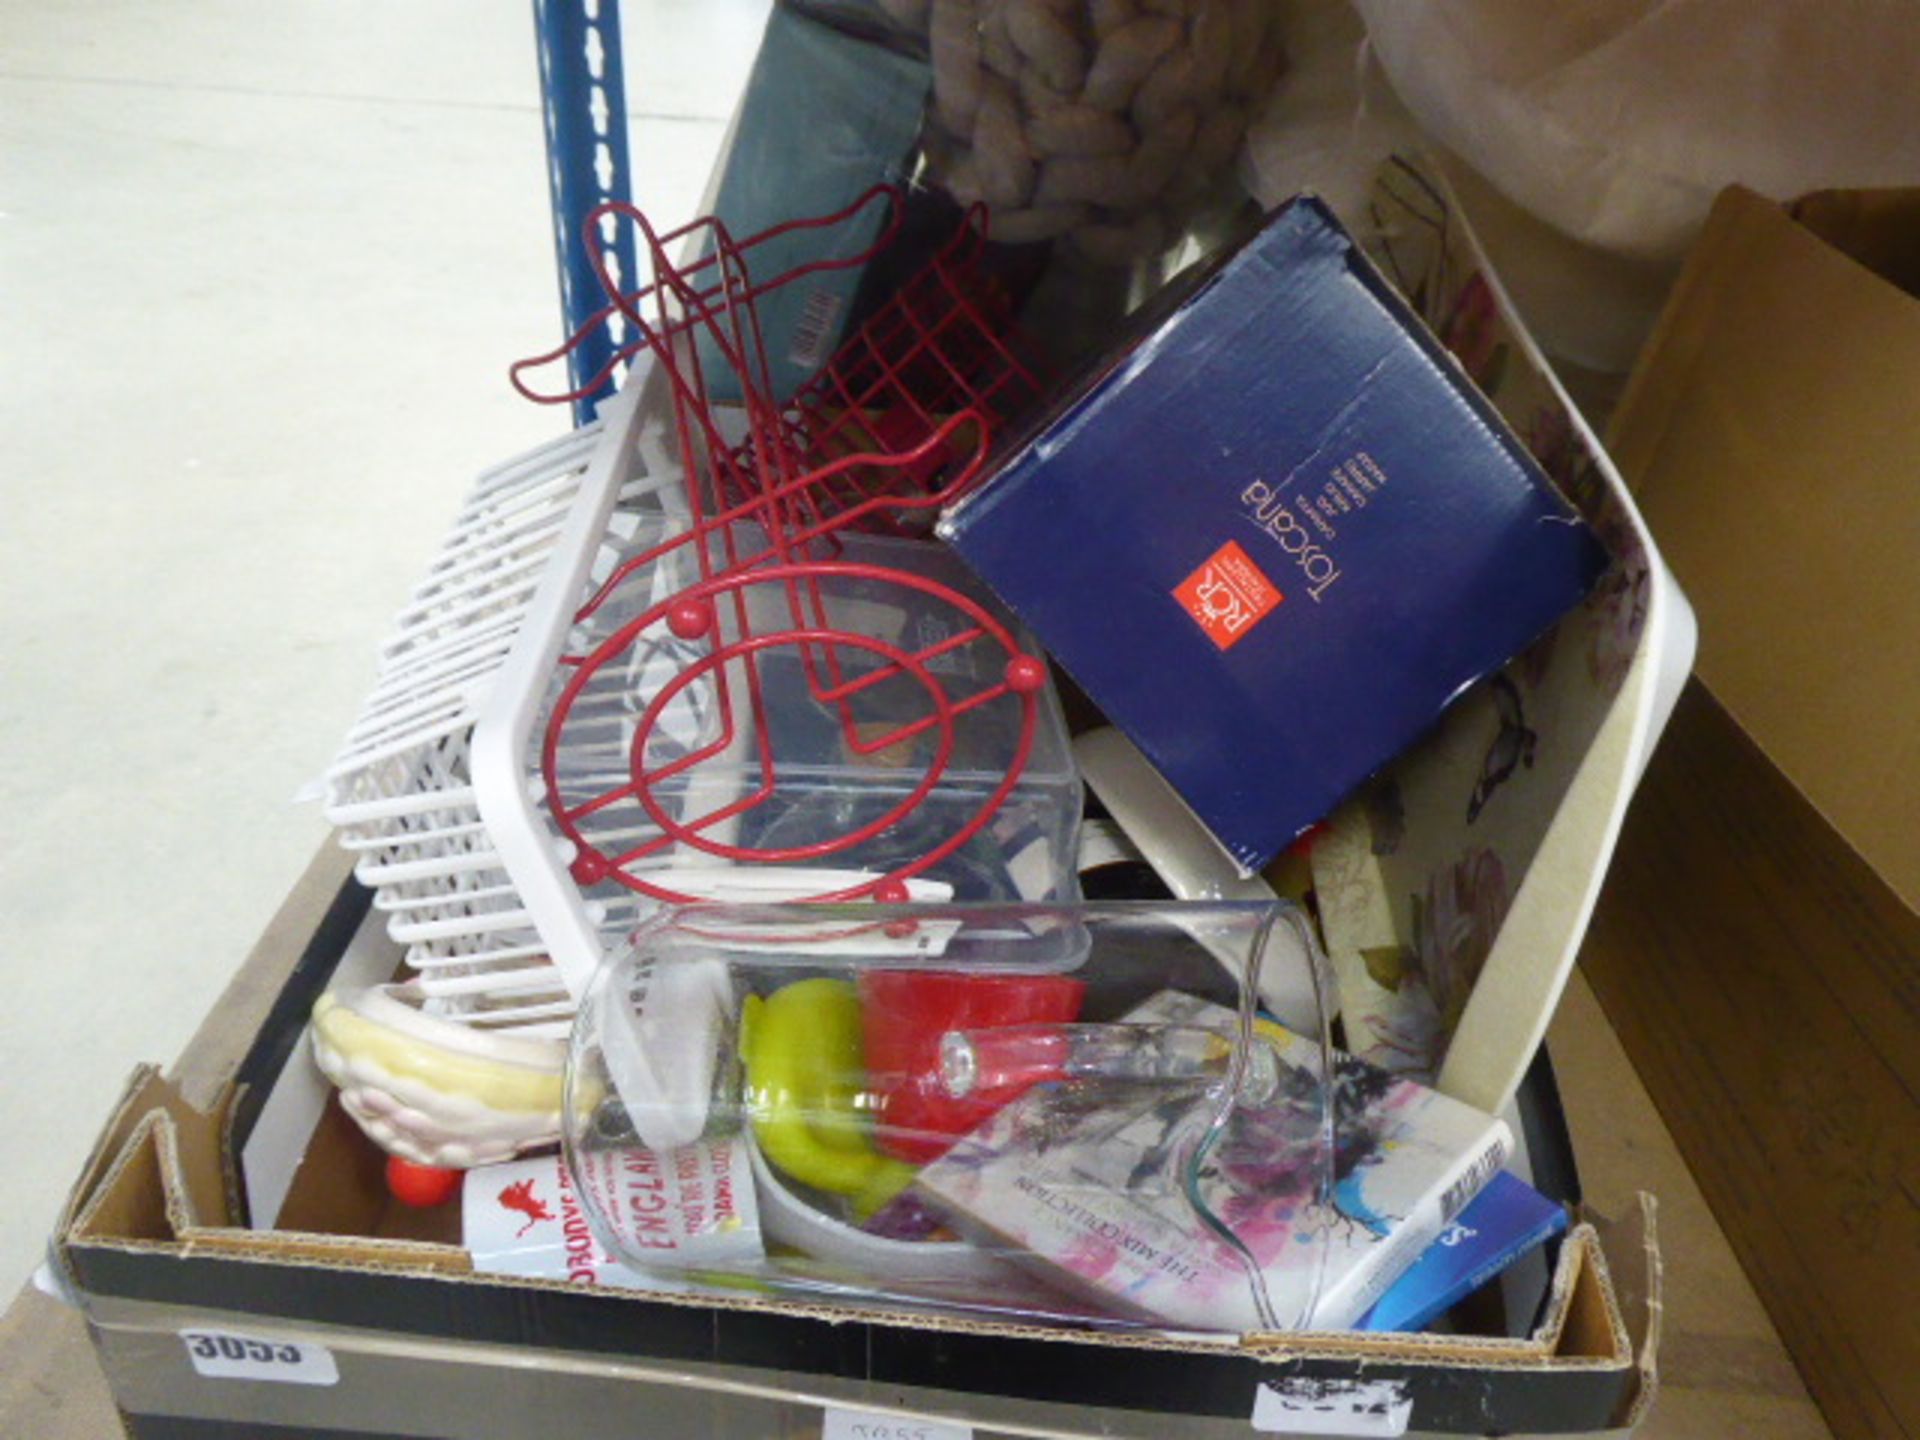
1091, 1186
1506, 1220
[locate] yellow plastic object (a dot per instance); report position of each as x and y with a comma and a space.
805, 1069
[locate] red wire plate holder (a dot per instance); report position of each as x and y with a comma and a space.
896, 424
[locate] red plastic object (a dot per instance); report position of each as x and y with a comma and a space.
421, 1186
904, 1014
896, 424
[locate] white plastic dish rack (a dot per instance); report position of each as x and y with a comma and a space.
437, 787
431, 787
402, 791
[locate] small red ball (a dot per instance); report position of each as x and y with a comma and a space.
690, 618
421, 1186
590, 867
1026, 674
891, 892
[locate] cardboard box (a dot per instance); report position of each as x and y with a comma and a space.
1772, 871
1771, 433
321, 1329
392, 1336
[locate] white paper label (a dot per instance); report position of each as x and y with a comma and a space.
819, 323
223, 1355
678, 1208
522, 1218
860, 1425
1333, 1407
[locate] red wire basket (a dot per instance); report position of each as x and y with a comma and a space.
940, 346
753, 603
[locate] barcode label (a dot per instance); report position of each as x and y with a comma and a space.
1471, 1182
815, 332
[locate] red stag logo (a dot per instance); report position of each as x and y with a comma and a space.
520, 1197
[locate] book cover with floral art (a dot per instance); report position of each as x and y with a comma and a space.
1084, 1182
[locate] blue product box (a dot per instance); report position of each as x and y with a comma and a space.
1276, 535
826, 116
1503, 1222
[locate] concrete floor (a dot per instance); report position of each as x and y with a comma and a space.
262, 269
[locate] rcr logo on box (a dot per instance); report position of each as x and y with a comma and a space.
1228, 595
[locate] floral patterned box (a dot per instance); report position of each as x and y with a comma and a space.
1455, 890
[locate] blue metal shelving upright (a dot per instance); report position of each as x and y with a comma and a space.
583, 95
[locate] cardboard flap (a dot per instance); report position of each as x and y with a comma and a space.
1771, 429
1636, 1274
157, 1170
143, 1195
1879, 229
164, 1187
348, 1250
1591, 1323
143, 1090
